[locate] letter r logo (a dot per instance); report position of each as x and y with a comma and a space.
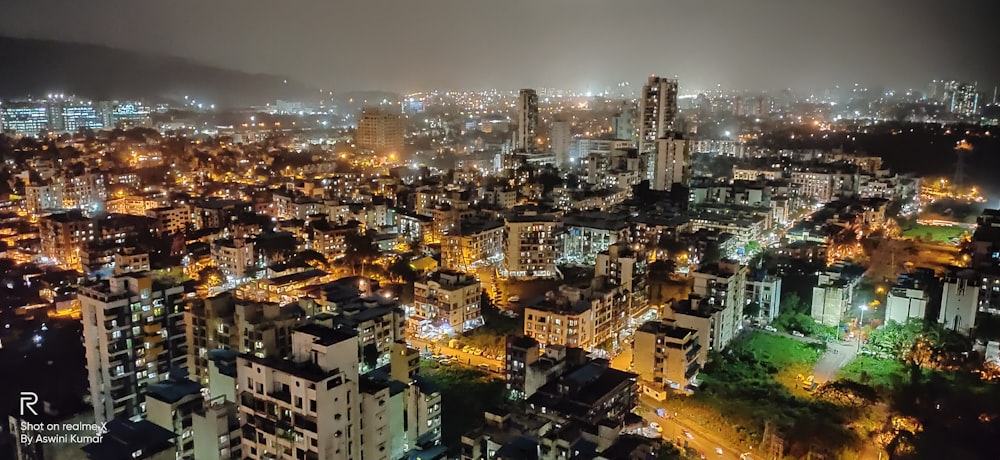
28, 401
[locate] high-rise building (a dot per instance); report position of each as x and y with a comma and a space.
670, 163
380, 132
171, 404
133, 334
963, 99
28, 117
63, 236
960, 301
527, 120
560, 136
86, 192
282, 399
657, 111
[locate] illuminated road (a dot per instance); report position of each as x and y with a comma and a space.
701, 440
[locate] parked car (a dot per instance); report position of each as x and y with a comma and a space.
718, 450
770, 328
513, 299
446, 362
656, 427
798, 334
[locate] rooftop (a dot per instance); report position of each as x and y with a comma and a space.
326, 335
130, 441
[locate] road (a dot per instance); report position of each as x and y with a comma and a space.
460, 357
701, 440
838, 354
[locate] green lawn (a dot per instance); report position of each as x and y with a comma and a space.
876, 372
936, 233
788, 355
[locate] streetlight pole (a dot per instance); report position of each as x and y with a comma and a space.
860, 322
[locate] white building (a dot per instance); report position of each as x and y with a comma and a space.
448, 298
559, 140
527, 120
233, 256
530, 246
959, 303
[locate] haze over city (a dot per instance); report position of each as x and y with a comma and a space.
572, 44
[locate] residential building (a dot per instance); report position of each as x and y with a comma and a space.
216, 429
473, 243
670, 162
172, 404
281, 399
133, 440
560, 136
63, 236
133, 335
626, 271
665, 357
381, 132
447, 300
86, 192
960, 301
527, 120
909, 296
833, 295
723, 284
657, 112
234, 256
590, 393
171, 220
764, 290
530, 245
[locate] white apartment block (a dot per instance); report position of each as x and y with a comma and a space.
530, 246
448, 297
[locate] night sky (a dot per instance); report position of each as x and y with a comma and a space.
575, 44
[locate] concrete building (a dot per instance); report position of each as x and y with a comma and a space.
225, 322
63, 236
561, 322
560, 136
585, 235
626, 271
133, 334
527, 120
665, 356
472, 244
959, 302
380, 132
172, 404
449, 300
723, 284
670, 163
765, 290
657, 112
833, 295
216, 429
87, 192
133, 440
909, 296
530, 245
234, 256
171, 219
281, 400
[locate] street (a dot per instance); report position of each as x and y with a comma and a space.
674, 427
838, 354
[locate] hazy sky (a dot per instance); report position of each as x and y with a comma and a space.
578, 44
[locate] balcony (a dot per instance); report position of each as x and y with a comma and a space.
282, 395
152, 328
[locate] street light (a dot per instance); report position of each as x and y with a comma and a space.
863, 308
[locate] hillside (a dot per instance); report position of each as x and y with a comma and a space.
38, 67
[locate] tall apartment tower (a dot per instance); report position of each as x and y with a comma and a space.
133, 332
560, 136
657, 111
964, 99
670, 163
307, 406
380, 132
527, 120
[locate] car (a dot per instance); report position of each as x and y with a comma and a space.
718, 450
770, 328
513, 299
688, 435
656, 427
797, 334
484, 366
445, 362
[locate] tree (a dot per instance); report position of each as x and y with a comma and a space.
369, 355
361, 249
792, 303
712, 253
211, 276
402, 269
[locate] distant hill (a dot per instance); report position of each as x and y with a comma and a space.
38, 67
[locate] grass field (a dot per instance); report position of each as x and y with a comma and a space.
789, 357
936, 233
877, 372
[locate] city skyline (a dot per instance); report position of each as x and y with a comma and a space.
431, 45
